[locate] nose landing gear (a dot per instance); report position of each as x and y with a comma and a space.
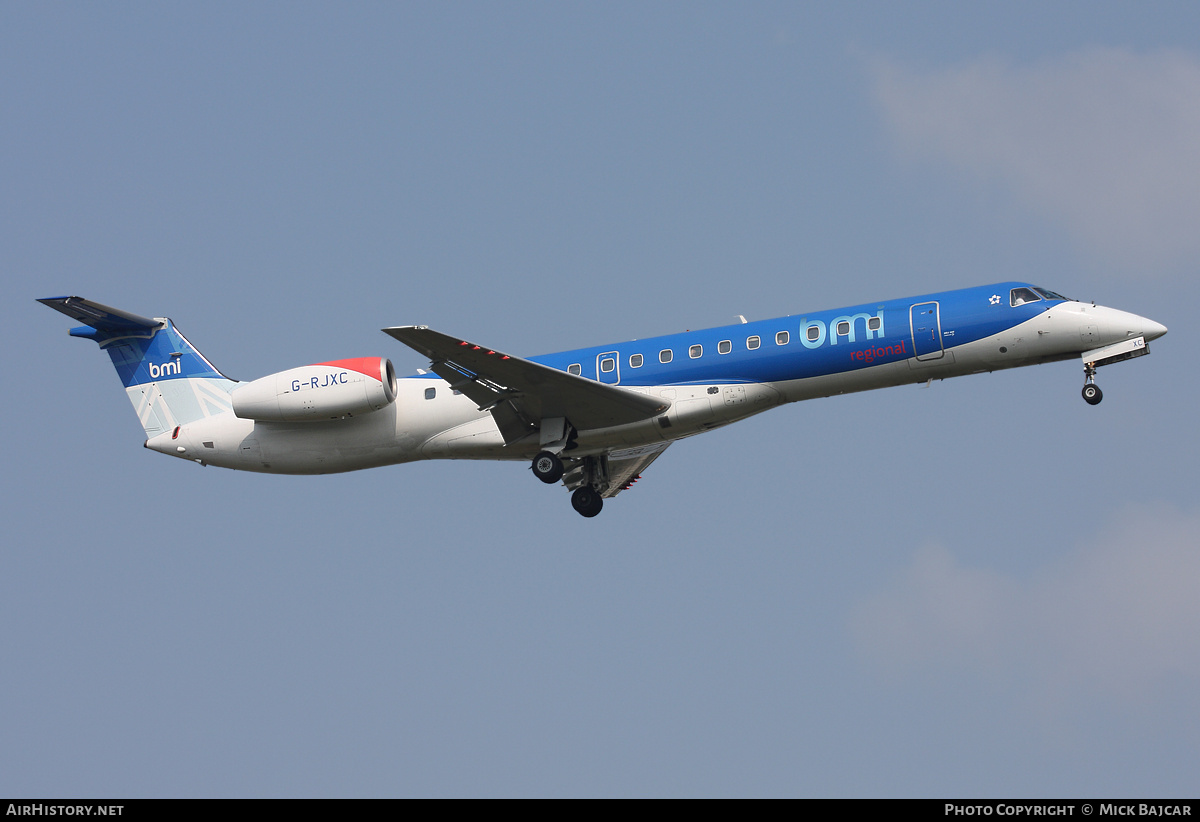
1091, 392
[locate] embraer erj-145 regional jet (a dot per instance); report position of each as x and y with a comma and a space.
593, 418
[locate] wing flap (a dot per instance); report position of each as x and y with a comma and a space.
622, 468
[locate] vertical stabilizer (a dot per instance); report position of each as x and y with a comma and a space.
169, 382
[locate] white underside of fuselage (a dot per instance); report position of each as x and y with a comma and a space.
450, 426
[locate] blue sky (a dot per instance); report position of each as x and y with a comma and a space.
983, 587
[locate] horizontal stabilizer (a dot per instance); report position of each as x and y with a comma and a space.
100, 317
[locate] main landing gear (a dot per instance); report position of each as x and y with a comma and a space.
1091, 392
586, 501
547, 467
588, 475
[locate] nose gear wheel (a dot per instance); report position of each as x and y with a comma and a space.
1091, 392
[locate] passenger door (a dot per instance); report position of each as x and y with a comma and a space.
926, 331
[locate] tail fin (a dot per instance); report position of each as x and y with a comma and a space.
168, 381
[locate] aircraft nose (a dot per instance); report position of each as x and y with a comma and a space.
1115, 325
1152, 330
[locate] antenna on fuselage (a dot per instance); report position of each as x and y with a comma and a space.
742, 318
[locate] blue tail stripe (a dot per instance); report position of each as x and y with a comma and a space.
142, 350
165, 356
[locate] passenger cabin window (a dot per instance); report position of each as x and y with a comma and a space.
873, 324
665, 355
781, 338
843, 329
724, 346
753, 342
607, 365
1020, 296
695, 351
813, 332
635, 360
430, 393
574, 368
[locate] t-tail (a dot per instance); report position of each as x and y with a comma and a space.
168, 381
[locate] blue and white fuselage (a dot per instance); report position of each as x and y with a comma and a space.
593, 418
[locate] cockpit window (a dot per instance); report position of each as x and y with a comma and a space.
1020, 296
1048, 294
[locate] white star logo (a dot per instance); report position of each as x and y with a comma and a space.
994, 299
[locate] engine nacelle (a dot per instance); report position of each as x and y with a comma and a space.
324, 391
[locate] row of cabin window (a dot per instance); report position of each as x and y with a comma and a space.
724, 347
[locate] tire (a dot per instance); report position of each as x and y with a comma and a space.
586, 501
1092, 394
547, 467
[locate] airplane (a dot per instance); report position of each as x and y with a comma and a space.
592, 418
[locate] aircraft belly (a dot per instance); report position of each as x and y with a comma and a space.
846, 382
694, 410
477, 439
214, 440
292, 448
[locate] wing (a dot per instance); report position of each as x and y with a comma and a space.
623, 468
520, 393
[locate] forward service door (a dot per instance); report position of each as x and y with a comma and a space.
926, 331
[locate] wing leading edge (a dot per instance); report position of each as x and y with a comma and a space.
520, 393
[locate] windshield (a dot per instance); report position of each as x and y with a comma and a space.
1020, 296
1049, 295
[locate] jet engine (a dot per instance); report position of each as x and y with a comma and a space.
325, 391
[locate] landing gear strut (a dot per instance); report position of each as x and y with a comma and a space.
589, 478
586, 501
547, 467
1091, 392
